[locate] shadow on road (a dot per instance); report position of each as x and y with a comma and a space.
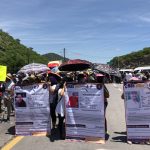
122, 133
11, 130
106, 136
119, 139
122, 137
55, 135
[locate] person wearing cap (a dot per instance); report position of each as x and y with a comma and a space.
7, 96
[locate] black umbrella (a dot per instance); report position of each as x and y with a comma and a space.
75, 65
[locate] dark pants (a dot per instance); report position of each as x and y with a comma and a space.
7, 103
60, 125
105, 106
53, 114
0, 104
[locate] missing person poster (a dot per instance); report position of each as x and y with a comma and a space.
137, 105
32, 109
85, 111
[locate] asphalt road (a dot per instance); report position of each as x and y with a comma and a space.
116, 131
7, 129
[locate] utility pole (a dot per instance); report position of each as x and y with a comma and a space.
118, 62
64, 54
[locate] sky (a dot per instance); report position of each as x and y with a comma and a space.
94, 30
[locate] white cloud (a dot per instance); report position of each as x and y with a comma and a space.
145, 19
17, 25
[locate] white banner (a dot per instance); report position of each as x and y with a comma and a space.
32, 109
85, 111
137, 105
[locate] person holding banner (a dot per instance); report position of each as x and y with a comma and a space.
60, 108
53, 100
100, 79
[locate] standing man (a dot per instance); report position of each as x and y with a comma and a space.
2, 89
9, 90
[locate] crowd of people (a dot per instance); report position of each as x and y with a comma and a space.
143, 76
57, 88
57, 82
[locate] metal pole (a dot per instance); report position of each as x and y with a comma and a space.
64, 54
118, 62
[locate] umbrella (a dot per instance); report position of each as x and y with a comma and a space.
34, 68
75, 65
99, 75
53, 64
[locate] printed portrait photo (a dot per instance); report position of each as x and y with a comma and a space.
20, 100
73, 100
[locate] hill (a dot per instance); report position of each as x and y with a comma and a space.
14, 55
132, 60
53, 56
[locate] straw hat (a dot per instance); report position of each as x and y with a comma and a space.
9, 76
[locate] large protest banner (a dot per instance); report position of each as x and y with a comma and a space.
85, 111
137, 106
32, 109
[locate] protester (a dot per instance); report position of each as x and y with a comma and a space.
60, 108
8, 94
128, 76
147, 74
100, 79
2, 90
81, 78
53, 99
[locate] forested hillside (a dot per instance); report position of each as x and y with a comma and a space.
53, 56
14, 55
132, 60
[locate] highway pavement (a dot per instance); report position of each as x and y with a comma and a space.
116, 138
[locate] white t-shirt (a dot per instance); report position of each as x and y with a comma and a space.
60, 108
128, 76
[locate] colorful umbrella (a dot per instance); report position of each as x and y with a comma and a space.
34, 68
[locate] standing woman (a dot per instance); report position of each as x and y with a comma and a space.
100, 79
60, 108
53, 99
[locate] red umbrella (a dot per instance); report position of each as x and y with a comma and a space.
53, 65
75, 65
